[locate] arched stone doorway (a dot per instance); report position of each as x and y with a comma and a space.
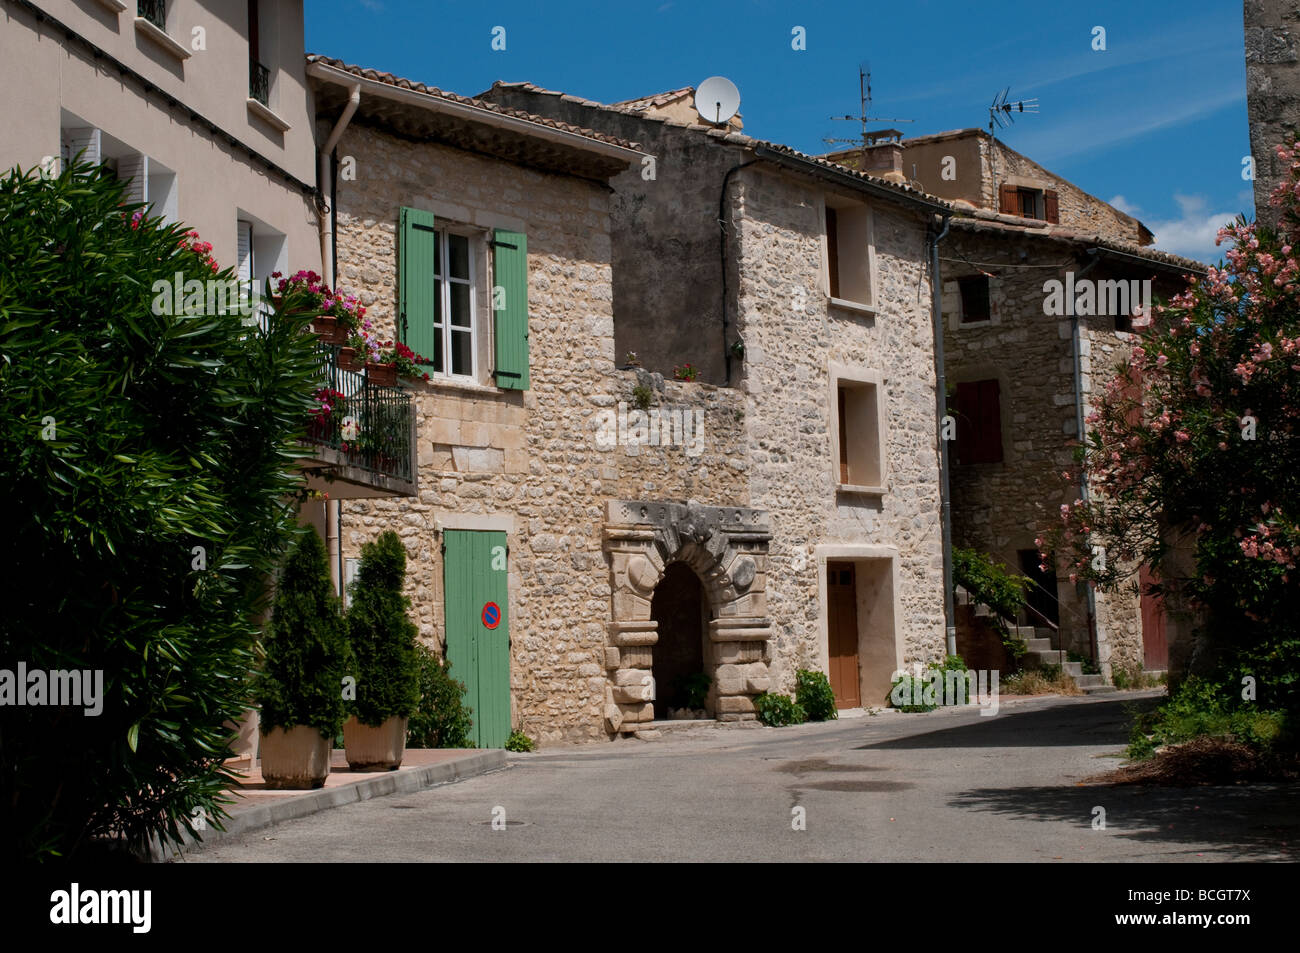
679, 610
726, 550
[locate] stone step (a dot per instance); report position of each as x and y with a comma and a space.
1089, 681
1038, 645
1073, 669
1046, 658
1026, 632
1043, 632
1099, 689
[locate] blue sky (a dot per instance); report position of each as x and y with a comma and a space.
1155, 123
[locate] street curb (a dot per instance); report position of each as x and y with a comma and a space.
313, 802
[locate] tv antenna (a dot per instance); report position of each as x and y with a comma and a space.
868, 136
1003, 113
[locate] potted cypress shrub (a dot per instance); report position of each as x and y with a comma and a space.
300, 690
383, 640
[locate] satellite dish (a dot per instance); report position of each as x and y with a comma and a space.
717, 99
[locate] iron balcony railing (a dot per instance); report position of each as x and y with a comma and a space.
370, 425
259, 82
155, 11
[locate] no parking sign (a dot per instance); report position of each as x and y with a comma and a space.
491, 615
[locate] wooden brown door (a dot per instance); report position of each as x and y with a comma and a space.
842, 632
1155, 643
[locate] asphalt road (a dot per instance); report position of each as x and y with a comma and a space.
947, 786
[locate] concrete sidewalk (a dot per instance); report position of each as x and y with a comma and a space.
256, 807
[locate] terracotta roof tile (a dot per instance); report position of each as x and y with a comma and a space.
739, 138
403, 83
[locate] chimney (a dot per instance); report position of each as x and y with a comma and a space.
883, 155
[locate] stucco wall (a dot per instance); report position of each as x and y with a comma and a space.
48, 76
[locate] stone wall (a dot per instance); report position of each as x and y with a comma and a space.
792, 335
1000, 508
1272, 28
1078, 210
667, 252
531, 463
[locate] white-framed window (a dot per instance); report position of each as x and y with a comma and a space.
259, 251
455, 318
147, 180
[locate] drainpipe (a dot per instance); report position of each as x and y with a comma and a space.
1076, 336
325, 174
941, 401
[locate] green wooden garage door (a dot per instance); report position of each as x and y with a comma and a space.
474, 575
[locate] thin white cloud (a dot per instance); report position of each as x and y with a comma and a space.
1125, 206
1088, 134
1193, 232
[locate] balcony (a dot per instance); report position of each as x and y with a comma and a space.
363, 445
259, 83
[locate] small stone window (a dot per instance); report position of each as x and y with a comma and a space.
859, 431
1028, 202
974, 299
850, 255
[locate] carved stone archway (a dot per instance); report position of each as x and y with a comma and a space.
727, 548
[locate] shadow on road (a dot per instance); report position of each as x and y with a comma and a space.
1259, 818
1068, 725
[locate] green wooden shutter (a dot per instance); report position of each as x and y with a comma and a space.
417, 246
510, 271
474, 574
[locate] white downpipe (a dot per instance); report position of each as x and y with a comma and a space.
333, 508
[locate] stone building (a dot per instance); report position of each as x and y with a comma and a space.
778, 511
1272, 28
1021, 371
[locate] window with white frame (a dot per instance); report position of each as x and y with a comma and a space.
464, 327
455, 341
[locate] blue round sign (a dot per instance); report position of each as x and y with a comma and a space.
491, 615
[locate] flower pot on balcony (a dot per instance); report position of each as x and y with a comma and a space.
348, 360
329, 330
374, 748
295, 759
381, 375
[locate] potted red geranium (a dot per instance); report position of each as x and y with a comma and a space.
397, 360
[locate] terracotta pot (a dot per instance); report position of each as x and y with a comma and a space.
381, 375
371, 748
295, 759
348, 360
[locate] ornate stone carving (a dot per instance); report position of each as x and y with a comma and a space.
727, 549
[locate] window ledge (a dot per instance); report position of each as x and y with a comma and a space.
117, 6
863, 490
848, 305
461, 384
161, 38
975, 324
266, 115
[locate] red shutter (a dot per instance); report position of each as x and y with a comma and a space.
967, 403
979, 423
1010, 200
990, 422
1052, 207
